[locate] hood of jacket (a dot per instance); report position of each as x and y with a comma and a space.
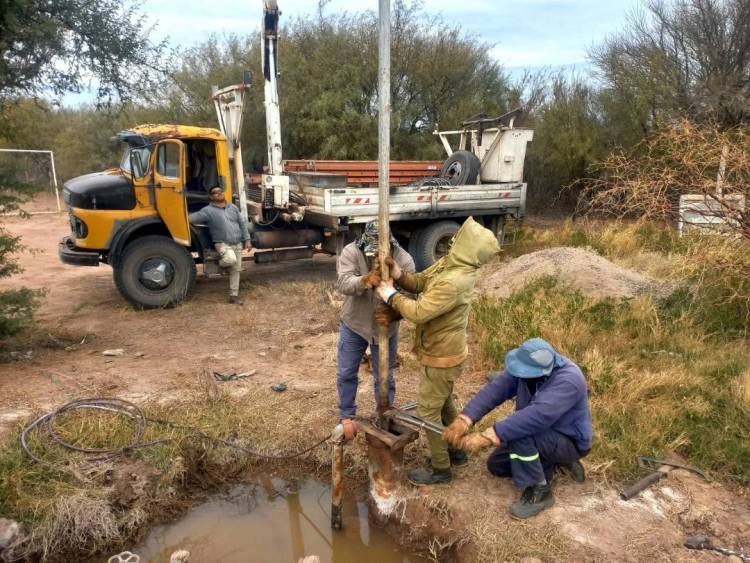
473, 245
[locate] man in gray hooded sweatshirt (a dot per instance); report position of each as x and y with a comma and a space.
357, 277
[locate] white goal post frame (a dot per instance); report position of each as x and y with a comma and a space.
54, 173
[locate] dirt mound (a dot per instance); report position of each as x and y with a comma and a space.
580, 269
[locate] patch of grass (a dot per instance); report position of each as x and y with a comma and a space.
72, 508
659, 381
714, 270
500, 540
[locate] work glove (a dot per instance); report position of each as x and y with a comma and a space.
477, 441
457, 430
393, 267
386, 315
372, 279
385, 290
350, 428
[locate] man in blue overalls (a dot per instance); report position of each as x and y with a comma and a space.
550, 428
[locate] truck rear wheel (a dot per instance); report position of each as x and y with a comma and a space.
461, 168
433, 242
155, 272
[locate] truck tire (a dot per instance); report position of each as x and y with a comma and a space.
155, 272
433, 243
461, 168
413, 247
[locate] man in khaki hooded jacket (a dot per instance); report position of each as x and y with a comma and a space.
441, 313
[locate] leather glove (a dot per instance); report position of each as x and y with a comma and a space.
393, 267
385, 290
386, 315
372, 278
477, 441
457, 430
350, 428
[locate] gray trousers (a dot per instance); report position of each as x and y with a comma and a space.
234, 271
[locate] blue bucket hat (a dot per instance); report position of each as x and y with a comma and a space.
534, 358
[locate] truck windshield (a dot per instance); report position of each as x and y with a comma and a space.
140, 160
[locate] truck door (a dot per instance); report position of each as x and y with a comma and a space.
169, 184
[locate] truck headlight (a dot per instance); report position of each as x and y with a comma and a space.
78, 227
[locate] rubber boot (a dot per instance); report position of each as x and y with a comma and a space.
458, 457
430, 476
533, 500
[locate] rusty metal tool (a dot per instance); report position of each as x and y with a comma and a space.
701, 541
654, 463
662, 468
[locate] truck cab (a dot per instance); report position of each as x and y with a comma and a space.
135, 217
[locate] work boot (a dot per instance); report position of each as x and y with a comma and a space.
235, 300
533, 500
430, 476
458, 457
575, 470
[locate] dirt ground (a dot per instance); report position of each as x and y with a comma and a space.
287, 332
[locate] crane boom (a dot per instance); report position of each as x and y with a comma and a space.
273, 181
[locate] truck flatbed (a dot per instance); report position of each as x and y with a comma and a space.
328, 205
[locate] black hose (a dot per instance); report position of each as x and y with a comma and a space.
45, 426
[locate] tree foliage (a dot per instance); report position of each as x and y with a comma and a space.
687, 58
54, 47
16, 305
328, 84
49, 48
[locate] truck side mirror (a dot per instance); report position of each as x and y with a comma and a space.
247, 78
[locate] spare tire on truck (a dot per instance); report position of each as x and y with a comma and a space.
462, 167
155, 272
432, 243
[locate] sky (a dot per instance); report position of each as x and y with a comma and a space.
529, 33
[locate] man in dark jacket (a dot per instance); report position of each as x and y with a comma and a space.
550, 427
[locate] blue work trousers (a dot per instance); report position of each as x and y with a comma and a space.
532, 459
352, 348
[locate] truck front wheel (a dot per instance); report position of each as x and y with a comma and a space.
155, 272
433, 242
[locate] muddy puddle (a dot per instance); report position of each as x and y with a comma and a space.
273, 520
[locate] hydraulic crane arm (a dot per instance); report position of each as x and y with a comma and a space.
270, 72
274, 181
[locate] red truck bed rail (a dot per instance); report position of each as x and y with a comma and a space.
365, 172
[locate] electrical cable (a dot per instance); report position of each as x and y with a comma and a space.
45, 426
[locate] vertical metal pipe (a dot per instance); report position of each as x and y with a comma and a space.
54, 180
384, 150
337, 477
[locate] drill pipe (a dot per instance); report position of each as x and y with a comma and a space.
337, 476
384, 151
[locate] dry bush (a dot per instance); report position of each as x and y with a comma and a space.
684, 159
